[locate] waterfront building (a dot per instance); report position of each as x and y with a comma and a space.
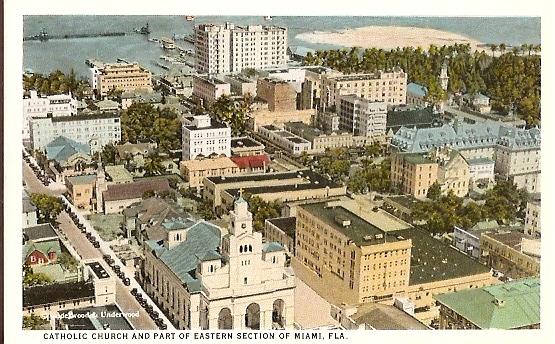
511, 305
206, 280
205, 137
122, 76
389, 87
362, 117
223, 49
94, 129
57, 105
207, 89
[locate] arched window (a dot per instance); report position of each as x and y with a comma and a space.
241, 249
250, 248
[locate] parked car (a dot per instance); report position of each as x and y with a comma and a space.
134, 291
126, 281
116, 268
96, 244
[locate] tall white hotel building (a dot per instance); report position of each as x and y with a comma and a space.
222, 49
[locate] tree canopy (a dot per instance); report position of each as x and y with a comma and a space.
55, 83
142, 122
48, 207
262, 210
512, 80
233, 113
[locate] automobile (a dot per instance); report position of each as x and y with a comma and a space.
88, 235
134, 291
106, 257
96, 244
121, 275
149, 308
154, 315
126, 281
142, 302
116, 268
138, 296
92, 239
163, 326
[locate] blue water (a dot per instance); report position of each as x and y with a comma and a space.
44, 57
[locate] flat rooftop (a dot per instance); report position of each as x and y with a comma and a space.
386, 317
57, 292
359, 231
433, 260
240, 142
287, 224
405, 201
94, 318
305, 174
40, 232
98, 270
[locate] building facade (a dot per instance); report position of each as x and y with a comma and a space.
194, 171
360, 116
532, 224
289, 142
279, 94
96, 130
413, 174
388, 87
204, 137
208, 89
222, 49
121, 76
58, 105
206, 281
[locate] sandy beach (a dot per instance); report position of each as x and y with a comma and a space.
388, 37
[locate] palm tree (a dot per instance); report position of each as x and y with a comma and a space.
493, 48
153, 165
502, 48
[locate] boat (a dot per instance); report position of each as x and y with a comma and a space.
145, 30
167, 43
189, 18
267, 18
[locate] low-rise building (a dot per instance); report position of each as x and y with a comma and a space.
246, 146
134, 152
68, 158
94, 129
118, 174
478, 102
281, 230
263, 116
177, 84
481, 170
107, 105
532, 223
279, 94
416, 95
468, 240
289, 142
512, 305
207, 89
29, 211
241, 85
206, 280
284, 186
204, 137
41, 245
82, 192
194, 171
411, 117
119, 196
515, 254
375, 316
252, 164
452, 173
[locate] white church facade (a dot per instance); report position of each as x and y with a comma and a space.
205, 280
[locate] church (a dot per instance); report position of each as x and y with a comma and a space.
204, 278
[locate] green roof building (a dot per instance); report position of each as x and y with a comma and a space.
512, 305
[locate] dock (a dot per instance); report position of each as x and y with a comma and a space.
44, 36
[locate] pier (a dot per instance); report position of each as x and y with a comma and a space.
44, 36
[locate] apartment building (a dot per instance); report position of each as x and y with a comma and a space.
361, 116
122, 76
95, 129
205, 137
512, 305
58, 105
208, 89
222, 49
207, 280
310, 88
389, 87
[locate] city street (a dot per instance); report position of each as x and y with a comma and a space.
86, 250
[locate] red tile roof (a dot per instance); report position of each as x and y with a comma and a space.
254, 161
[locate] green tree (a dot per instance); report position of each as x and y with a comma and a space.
232, 113
153, 165
32, 279
262, 210
67, 261
434, 192
108, 154
48, 207
34, 322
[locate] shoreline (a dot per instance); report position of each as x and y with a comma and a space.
390, 37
